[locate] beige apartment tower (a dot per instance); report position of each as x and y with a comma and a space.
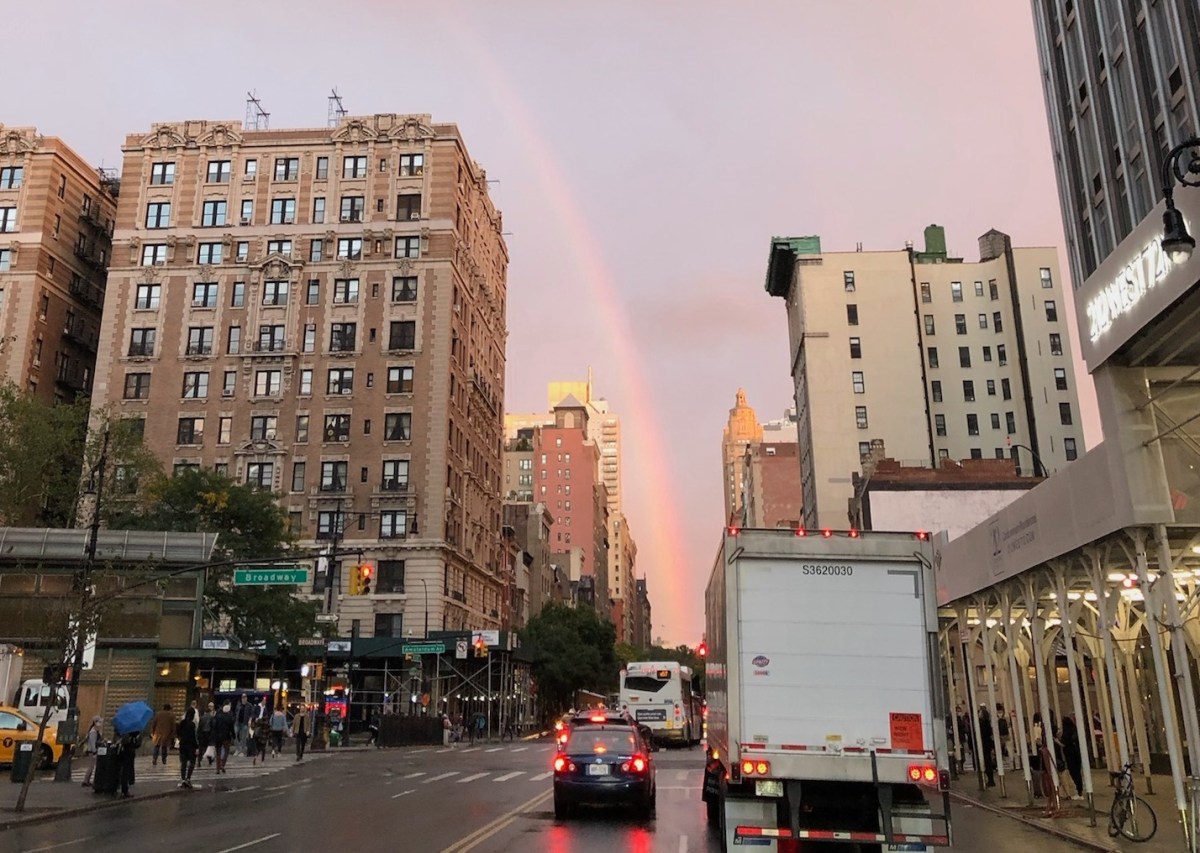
321, 312
56, 221
742, 431
918, 356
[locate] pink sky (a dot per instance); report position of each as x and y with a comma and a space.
645, 153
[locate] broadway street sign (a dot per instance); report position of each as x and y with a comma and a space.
251, 576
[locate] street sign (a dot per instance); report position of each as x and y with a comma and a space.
460, 649
423, 648
327, 617
490, 638
247, 576
338, 646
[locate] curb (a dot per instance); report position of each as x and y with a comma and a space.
1063, 834
15, 822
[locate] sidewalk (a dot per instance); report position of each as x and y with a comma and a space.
1073, 821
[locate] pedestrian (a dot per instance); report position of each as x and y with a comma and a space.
259, 740
446, 727
278, 728
204, 734
480, 725
300, 731
162, 733
1002, 725
244, 714
988, 742
127, 747
91, 744
373, 730
965, 738
1072, 754
188, 747
510, 731
223, 729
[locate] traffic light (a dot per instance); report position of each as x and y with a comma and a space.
365, 571
702, 650
356, 580
481, 648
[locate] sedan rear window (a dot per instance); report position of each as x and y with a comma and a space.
600, 741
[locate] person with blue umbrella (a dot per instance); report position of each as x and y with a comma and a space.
129, 722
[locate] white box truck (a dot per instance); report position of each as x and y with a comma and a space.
826, 715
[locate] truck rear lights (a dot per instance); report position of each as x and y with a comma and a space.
923, 773
800, 531
734, 531
755, 768
922, 535
827, 533
853, 534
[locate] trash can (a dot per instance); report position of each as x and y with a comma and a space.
106, 777
335, 738
22, 758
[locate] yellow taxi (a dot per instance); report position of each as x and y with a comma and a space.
15, 727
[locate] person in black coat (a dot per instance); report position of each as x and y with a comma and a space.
127, 747
189, 747
988, 742
1072, 754
223, 730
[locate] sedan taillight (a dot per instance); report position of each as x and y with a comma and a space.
563, 765
637, 764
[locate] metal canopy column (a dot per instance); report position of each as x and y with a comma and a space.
964, 637
1037, 633
1021, 742
989, 644
1105, 610
1064, 613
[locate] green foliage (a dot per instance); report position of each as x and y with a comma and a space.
572, 649
41, 456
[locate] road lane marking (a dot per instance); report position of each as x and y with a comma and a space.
472, 778
239, 790
487, 831
494, 749
270, 796
541, 776
508, 776
415, 775
402, 793
520, 749
60, 844
683, 844
278, 787
470, 749
250, 843
437, 778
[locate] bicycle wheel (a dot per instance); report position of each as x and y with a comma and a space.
1135, 819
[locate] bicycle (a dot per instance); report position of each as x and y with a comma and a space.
1130, 816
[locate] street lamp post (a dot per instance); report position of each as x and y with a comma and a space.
1181, 164
1037, 462
425, 587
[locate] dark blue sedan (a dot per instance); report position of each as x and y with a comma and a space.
604, 764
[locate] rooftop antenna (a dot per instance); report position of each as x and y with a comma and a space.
256, 117
337, 111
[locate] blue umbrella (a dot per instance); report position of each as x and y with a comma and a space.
132, 717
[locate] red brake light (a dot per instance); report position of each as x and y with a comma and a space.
930, 774
639, 764
926, 773
914, 772
922, 535
800, 531
747, 768
734, 531
597, 718
762, 768
826, 532
559, 764
853, 534
751, 768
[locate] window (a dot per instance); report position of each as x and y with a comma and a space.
972, 424
848, 281
200, 340
1051, 311
302, 428
263, 427
991, 387
11, 177
987, 353
1069, 449
250, 169
933, 357
310, 338
243, 250
400, 380
395, 475
939, 424
154, 254
1056, 344
857, 381
148, 297
1002, 354
926, 293
342, 337
851, 315
306, 380
190, 431
260, 475
195, 385
969, 390
995, 420
352, 208
960, 324
408, 206
345, 291
1060, 378
233, 343
860, 416
283, 211
930, 327
329, 523
209, 253
213, 214
993, 291
999, 452
408, 247
390, 579
1046, 280
864, 450
983, 321
318, 214
6, 259
397, 426
316, 250
298, 470
393, 524
270, 338
158, 215
333, 476
204, 294
228, 383
218, 171
162, 173
62, 186
268, 383
1010, 423
287, 168
956, 291
997, 322
322, 168
979, 288
1005, 389
349, 248
856, 348
337, 428
937, 391
279, 247
224, 430
275, 293
238, 298
402, 335
137, 386
412, 165
1064, 414
354, 167
964, 356
340, 381
404, 288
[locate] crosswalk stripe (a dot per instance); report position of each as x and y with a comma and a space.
472, 778
508, 776
415, 775
542, 776
494, 749
439, 778
520, 749
470, 749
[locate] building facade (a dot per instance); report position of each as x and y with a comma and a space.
742, 430
321, 312
1122, 83
622, 562
975, 364
56, 224
642, 626
771, 485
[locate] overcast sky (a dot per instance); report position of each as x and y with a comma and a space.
645, 151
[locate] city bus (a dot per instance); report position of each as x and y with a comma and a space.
659, 695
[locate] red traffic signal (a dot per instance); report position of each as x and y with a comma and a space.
365, 570
702, 650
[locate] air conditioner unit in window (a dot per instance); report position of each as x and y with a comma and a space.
270, 434
289, 220
197, 303
245, 220
414, 216
226, 392
160, 263
347, 391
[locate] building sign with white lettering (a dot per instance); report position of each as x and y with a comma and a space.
1123, 293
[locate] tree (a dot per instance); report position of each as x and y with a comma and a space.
572, 648
251, 526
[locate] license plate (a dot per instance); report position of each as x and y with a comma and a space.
597, 770
768, 787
